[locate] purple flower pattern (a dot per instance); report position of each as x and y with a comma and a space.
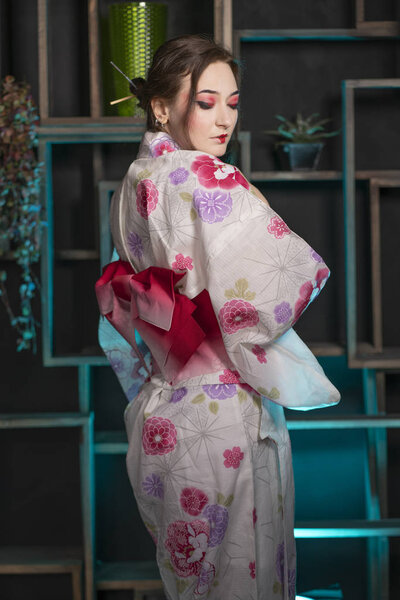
135, 244
212, 206
178, 176
220, 391
153, 486
218, 518
316, 256
206, 577
282, 312
118, 362
178, 395
280, 562
292, 583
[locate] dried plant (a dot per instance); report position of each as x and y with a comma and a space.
20, 209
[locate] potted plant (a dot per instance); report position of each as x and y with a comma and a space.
300, 146
20, 209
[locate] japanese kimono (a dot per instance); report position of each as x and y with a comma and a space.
199, 303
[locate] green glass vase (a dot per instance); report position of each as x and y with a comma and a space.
135, 31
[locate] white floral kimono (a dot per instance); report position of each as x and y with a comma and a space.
212, 279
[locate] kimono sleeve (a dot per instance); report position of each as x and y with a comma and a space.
260, 281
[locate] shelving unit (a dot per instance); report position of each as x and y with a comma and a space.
368, 357
142, 577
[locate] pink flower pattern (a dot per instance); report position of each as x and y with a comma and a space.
213, 173
229, 376
237, 314
252, 567
182, 263
163, 145
193, 501
159, 436
233, 457
187, 544
259, 353
278, 228
309, 290
146, 197
254, 516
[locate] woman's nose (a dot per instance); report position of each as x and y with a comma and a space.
225, 116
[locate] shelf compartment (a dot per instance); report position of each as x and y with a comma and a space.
35, 560
361, 354
129, 575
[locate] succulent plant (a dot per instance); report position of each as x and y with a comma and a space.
302, 130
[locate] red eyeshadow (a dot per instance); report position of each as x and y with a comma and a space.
209, 100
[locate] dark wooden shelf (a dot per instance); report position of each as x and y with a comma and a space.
344, 422
140, 576
11, 556
367, 357
369, 31
91, 130
36, 560
326, 349
72, 254
38, 420
315, 175
96, 121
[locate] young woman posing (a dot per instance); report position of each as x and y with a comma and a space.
212, 279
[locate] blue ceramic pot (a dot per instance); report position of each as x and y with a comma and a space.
299, 157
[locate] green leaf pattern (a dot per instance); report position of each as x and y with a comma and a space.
240, 291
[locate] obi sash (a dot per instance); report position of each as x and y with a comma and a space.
171, 325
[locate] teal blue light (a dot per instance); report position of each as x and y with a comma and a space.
353, 529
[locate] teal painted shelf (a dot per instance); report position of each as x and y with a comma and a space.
38, 420
358, 528
316, 35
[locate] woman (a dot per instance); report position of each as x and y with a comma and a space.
212, 279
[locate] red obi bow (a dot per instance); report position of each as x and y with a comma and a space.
147, 301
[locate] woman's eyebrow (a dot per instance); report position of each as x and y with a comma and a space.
235, 93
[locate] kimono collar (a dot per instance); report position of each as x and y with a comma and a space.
156, 143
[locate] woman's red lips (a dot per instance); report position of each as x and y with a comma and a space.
222, 137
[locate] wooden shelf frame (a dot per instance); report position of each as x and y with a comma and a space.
315, 175
378, 357
20, 560
68, 134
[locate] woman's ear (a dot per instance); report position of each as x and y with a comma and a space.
160, 110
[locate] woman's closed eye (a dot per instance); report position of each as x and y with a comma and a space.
206, 106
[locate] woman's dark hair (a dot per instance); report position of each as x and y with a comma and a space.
176, 58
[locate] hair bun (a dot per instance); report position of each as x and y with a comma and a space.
137, 87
